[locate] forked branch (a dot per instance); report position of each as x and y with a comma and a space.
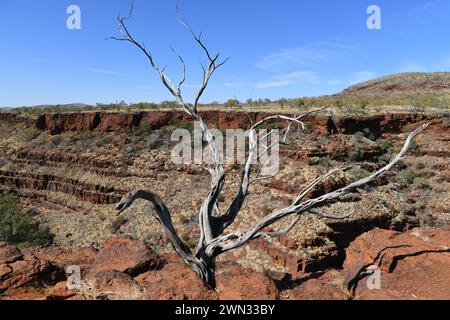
212, 242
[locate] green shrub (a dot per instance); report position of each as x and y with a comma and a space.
405, 177
359, 173
81, 136
126, 160
168, 104
184, 124
414, 146
143, 130
324, 162
386, 146
18, 228
151, 137
26, 134
56, 140
191, 243
353, 110
422, 183
300, 102
118, 223
103, 141
232, 103
282, 102
266, 210
153, 141
144, 106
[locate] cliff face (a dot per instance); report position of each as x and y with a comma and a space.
87, 192
125, 122
13, 118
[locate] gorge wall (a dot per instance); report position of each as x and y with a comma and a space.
125, 122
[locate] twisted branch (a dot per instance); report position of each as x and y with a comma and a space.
211, 241
238, 239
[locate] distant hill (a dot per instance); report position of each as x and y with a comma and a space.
402, 84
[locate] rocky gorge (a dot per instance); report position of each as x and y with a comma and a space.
73, 167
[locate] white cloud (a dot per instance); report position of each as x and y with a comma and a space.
293, 78
313, 55
101, 71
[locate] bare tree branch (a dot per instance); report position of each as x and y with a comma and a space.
212, 242
164, 218
237, 239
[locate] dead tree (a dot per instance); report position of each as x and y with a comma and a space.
213, 239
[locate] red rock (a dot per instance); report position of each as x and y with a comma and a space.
176, 281
114, 285
82, 257
30, 271
5, 270
416, 263
282, 186
59, 292
125, 122
237, 283
236, 120
118, 122
330, 286
158, 119
26, 293
60, 123
126, 255
88, 192
9, 253
12, 118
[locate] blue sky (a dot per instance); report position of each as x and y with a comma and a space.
284, 48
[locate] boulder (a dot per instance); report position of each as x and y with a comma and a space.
329, 286
176, 281
59, 292
126, 255
29, 271
83, 257
9, 253
413, 265
114, 285
237, 283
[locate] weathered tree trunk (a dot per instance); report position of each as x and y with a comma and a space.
212, 242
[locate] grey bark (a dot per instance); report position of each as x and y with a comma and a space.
212, 240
